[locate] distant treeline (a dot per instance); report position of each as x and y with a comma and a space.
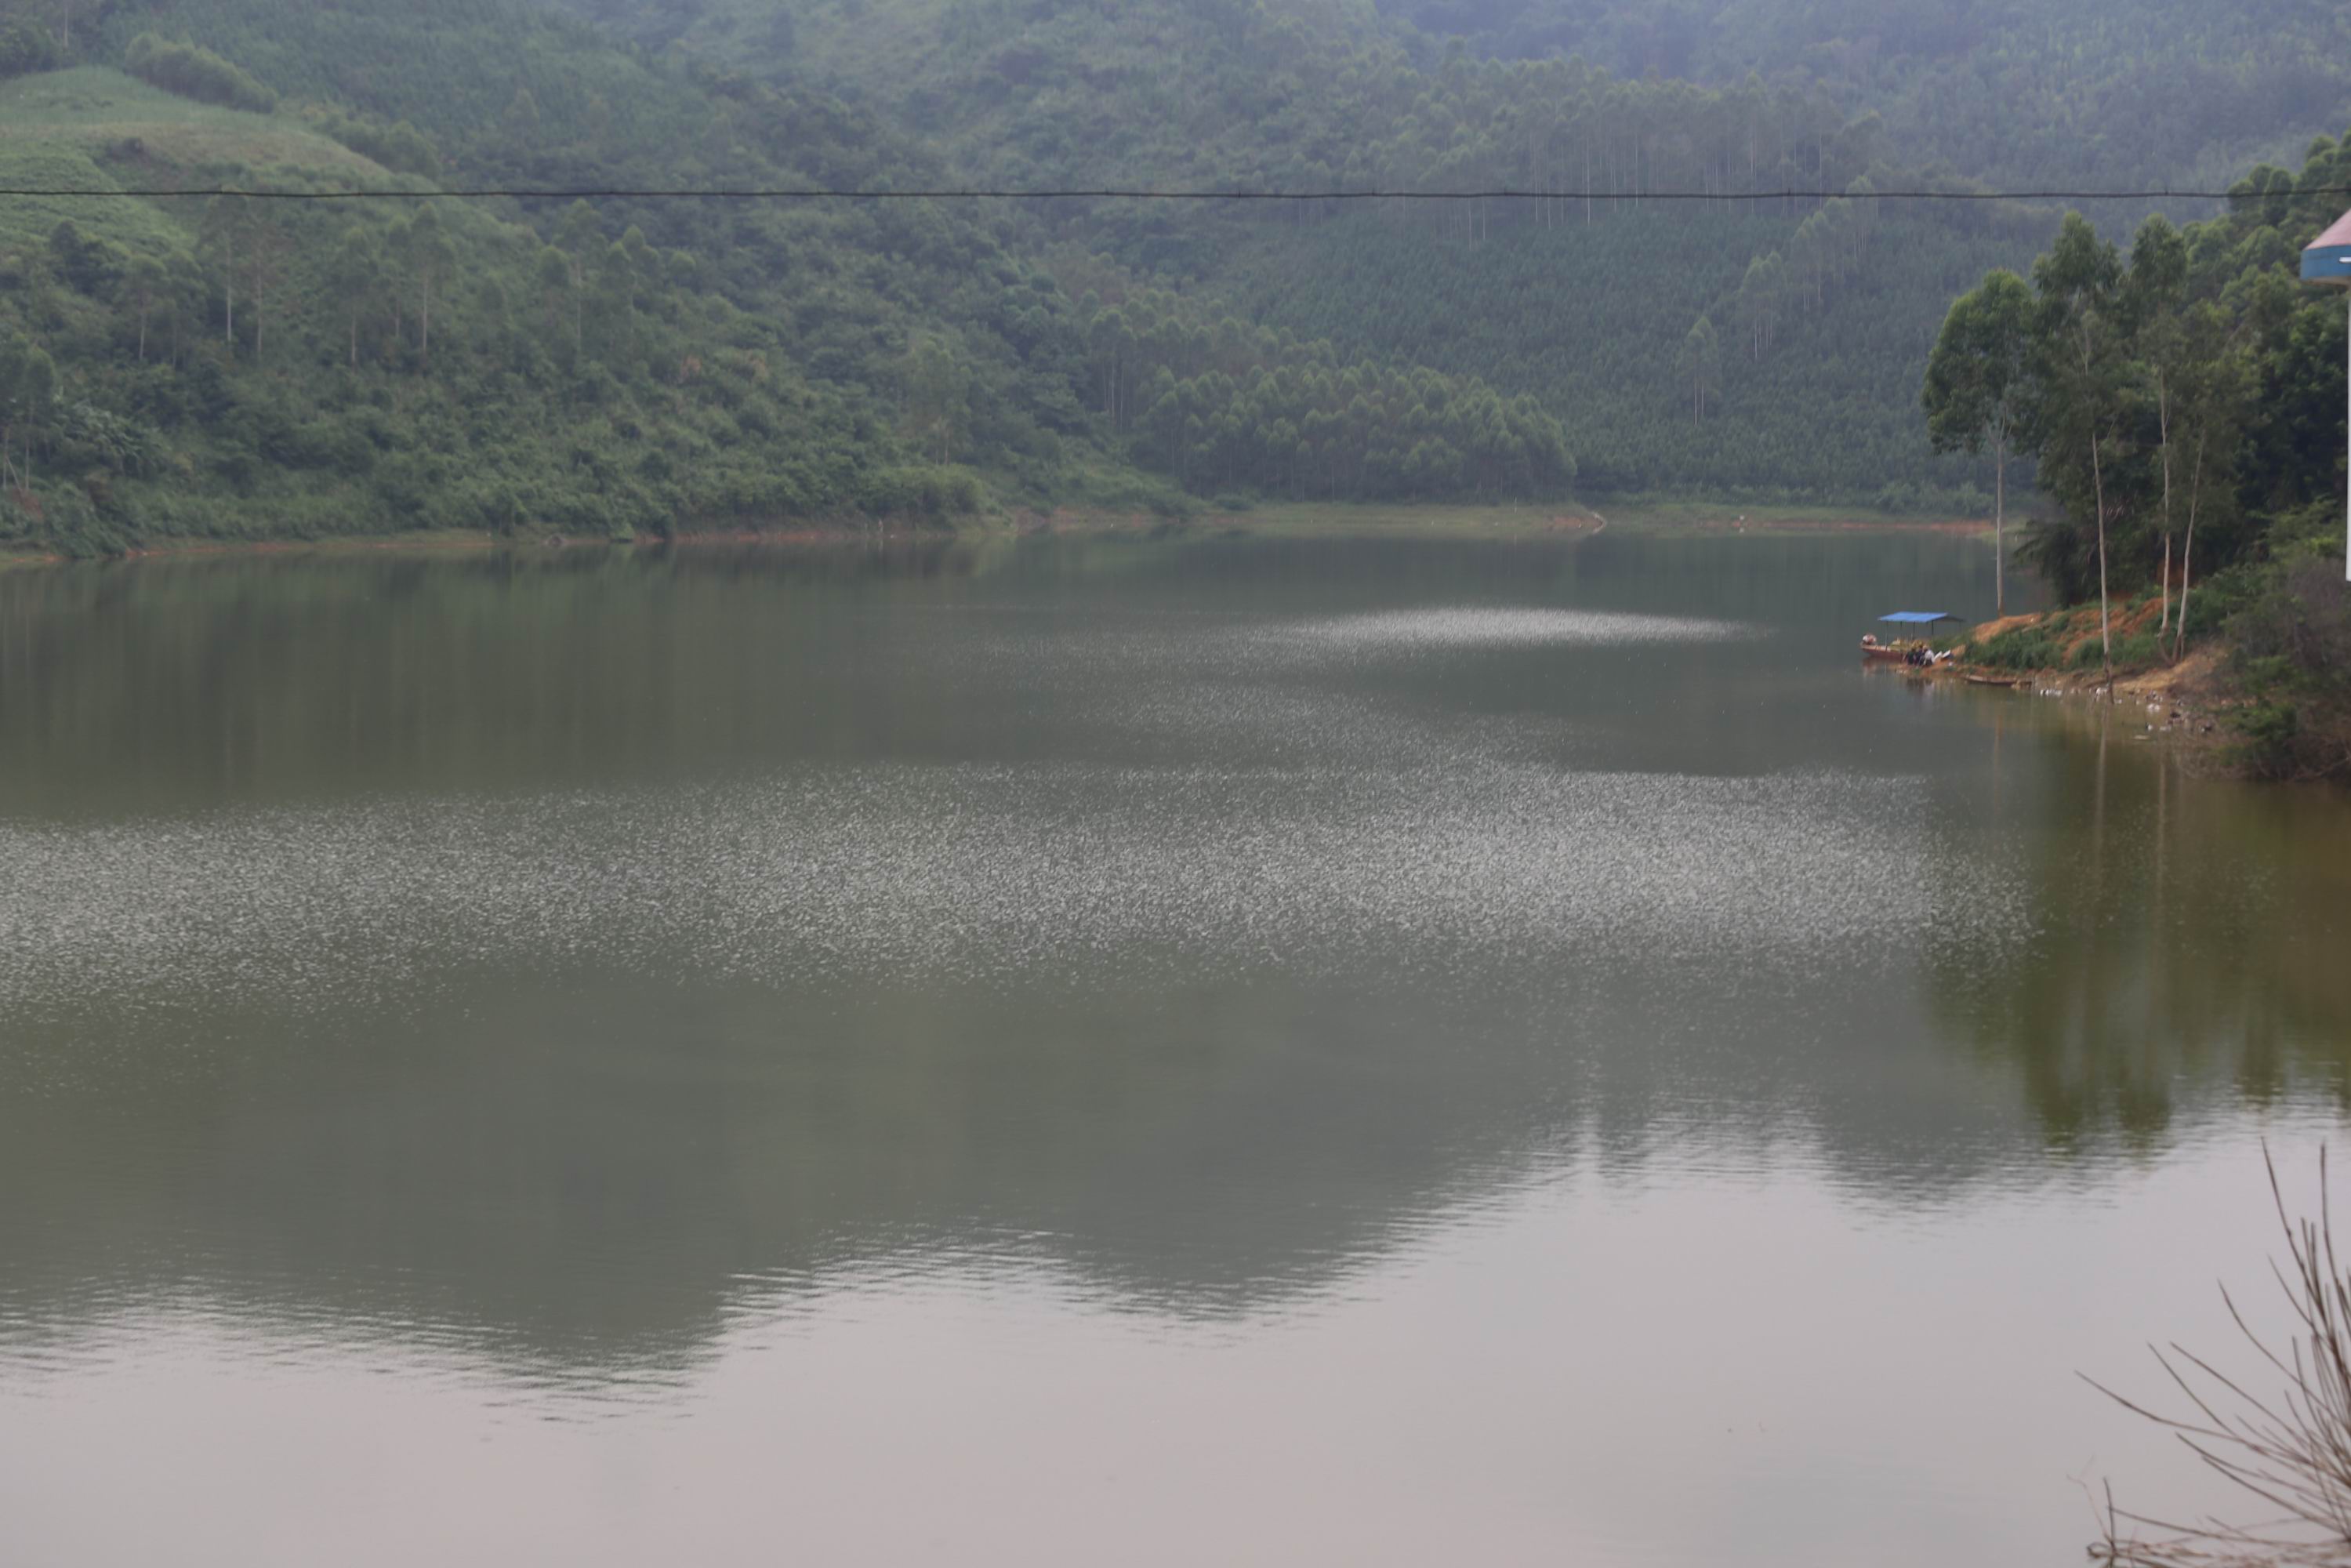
2058, 90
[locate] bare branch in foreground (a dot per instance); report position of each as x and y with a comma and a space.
2292, 1451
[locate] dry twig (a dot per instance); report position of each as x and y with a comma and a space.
2292, 1451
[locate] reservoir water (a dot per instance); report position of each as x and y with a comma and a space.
1154, 1052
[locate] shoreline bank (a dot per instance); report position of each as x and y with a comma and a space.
1295, 519
2187, 699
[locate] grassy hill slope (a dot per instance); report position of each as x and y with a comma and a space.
227, 369
237, 367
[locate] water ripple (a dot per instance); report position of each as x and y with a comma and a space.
1469, 626
976, 874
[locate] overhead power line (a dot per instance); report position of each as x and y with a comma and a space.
722, 194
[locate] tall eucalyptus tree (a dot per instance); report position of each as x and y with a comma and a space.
1976, 387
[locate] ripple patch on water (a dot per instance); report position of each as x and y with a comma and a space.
1469, 626
1003, 876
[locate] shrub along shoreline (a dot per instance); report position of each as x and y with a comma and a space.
2255, 662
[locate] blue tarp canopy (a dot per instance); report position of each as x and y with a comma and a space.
1917, 617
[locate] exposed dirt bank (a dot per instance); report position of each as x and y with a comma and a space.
2189, 697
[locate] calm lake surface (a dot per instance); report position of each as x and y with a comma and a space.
1112, 1051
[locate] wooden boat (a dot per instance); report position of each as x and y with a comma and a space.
1916, 655
1914, 651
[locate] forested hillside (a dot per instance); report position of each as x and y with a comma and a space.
233, 367
1771, 358
1602, 310
2111, 92
295, 366
654, 362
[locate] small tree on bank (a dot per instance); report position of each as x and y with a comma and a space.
2084, 386
1976, 387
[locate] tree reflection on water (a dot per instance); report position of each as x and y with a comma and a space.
2187, 932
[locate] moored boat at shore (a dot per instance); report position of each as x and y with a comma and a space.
1915, 651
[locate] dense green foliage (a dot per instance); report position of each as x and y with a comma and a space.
1260, 93
2120, 92
1228, 405
1824, 312
650, 363
1820, 323
238, 367
2186, 406
2292, 656
196, 73
642, 363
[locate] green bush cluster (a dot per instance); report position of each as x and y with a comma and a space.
197, 73
25, 44
2292, 657
919, 491
2135, 652
400, 147
2019, 648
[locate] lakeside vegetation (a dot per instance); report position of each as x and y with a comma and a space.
2184, 404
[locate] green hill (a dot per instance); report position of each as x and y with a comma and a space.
654, 363
1587, 307
234, 368
637, 363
